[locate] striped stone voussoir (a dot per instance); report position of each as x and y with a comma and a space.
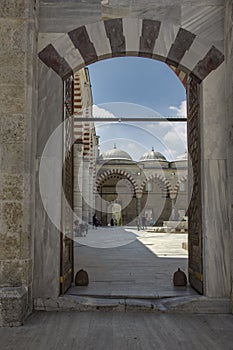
182, 50
177, 185
105, 175
163, 183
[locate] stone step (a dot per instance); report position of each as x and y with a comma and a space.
186, 304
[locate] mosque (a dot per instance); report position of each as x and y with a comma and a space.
115, 186
152, 187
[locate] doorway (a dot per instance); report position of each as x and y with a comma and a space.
152, 184
58, 69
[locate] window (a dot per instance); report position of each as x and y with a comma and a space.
149, 186
182, 187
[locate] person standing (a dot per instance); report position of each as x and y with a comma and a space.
94, 221
77, 229
138, 224
143, 222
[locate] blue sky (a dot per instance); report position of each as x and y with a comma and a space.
139, 87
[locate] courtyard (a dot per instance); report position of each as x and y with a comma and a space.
125, 262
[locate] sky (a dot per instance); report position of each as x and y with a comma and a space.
138, 87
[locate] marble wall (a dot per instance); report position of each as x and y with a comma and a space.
215, 195
229, 113
47, 236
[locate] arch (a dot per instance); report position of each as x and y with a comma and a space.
163, 183
176, 188
105, 175
186, 52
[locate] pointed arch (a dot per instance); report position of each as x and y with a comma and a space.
106, 174
163, 183
176, 188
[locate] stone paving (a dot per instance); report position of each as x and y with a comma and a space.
124, 262
132, 270
119, 330
125, 269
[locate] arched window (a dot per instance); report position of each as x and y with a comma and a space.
148, 186
182, 187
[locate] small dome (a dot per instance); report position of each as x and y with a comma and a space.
183, 156
152, 155
115, 153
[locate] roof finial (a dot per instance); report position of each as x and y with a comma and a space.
152, 149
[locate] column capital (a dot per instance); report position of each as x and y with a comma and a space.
139, 194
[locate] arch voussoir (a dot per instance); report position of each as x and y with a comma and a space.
136, 37
125, 175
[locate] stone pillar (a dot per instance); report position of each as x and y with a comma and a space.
173, 200
138, 203
78, 179
18, 80
86, 192
91, 195
215, 195
138, 206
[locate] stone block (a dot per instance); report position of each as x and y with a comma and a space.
12, 98
12, 158
12, 217
12, 187
12, 224
12, 129
12, 8
15, 272
10, 242
13, 306
13, 69
65, 16
13, 35
77, 303
14, 230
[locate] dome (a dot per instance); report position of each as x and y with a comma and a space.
115, 153
152, 155
182, 157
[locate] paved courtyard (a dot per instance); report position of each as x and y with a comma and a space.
124, 262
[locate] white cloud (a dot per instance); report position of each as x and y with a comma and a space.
181, 110
170, 138
178, 132
176, 139
171, 154
101, 112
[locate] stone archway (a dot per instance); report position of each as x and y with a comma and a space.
193, 38
160, 179
130, 37
121, 172
121, 190
174, 45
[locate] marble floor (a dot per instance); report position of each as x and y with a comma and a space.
126, 263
